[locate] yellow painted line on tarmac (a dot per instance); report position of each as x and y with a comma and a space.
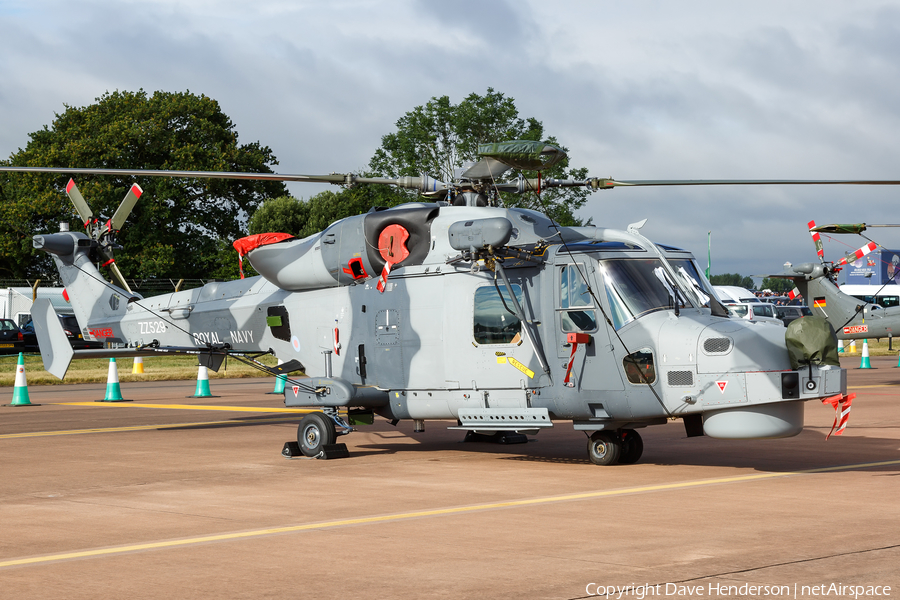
33, 434
862, 387
440, 512
186, 407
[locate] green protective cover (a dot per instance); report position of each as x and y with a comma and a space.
523, 154
811, 340
841, 228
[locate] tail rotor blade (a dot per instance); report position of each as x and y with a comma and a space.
852, 256
118, 275
84, 211
121, 214
817, 240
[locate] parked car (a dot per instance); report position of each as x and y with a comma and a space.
762, 312
73, 332
792, 313
11, 339
30, 338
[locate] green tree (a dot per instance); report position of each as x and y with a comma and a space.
179, 227
284, 214
302, 218
439, 137
777, 285
735, 279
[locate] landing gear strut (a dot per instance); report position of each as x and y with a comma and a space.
608, 448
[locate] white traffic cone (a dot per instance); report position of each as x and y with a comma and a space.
113, 390
864, 362
20, 391
203, 390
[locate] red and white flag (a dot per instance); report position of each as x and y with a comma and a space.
841, 406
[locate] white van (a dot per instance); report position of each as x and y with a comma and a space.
761, 312
731, 294
885, 296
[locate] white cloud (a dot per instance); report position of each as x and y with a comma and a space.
637, 90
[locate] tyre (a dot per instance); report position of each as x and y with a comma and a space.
604, 448
632, 447
315, 430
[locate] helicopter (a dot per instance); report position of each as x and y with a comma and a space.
851, 318
456, 308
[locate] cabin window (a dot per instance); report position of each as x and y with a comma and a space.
639, 367
495, 323
576, 307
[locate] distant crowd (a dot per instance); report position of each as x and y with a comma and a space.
776, 299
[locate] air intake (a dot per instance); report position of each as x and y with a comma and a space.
720, 345
680, 378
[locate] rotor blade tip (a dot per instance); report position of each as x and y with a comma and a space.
70, 185
136, 190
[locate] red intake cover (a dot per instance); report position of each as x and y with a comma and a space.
392, 243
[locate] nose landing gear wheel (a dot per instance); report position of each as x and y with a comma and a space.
632, 447
315, 430
604, 448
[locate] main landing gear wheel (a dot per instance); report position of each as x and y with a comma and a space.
632, 447
316, 430
604, 448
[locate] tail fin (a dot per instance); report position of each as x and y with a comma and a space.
823, 296
55, 347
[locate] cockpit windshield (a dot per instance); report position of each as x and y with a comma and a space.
635, 287
693, 278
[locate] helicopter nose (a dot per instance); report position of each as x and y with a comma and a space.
739, 345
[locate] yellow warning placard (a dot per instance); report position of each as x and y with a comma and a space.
520, 366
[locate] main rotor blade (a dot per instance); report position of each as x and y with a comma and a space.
609, 183
427, 183
423, 183
84, 211
121, 214
333, 178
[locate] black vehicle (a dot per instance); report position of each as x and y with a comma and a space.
30, 338
791, 313
11, 338
73, 332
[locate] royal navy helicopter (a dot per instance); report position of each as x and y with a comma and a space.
457, 308
850, 317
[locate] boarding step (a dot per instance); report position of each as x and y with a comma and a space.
503, 419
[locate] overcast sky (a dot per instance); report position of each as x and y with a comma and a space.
635, 90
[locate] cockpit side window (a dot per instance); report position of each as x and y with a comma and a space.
576, 307
495, 322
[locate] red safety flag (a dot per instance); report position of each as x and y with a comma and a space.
382, 281
841, 406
